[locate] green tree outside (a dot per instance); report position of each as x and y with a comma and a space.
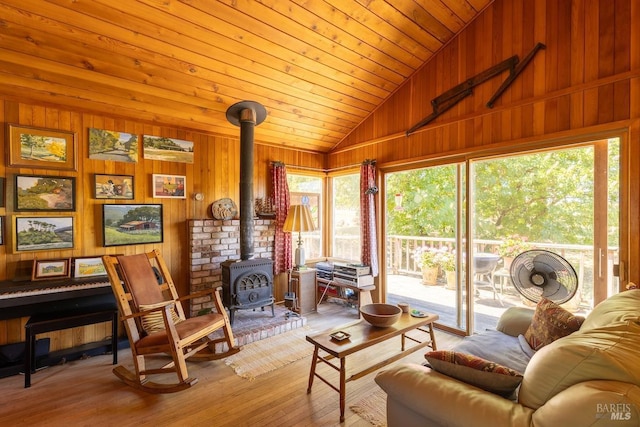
545, 197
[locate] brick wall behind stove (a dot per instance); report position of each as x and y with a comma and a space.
215, 241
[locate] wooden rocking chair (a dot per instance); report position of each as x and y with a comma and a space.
155, 322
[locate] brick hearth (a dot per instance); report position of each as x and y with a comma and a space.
212, 242
256, 325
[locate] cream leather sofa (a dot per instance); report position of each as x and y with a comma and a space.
588, 378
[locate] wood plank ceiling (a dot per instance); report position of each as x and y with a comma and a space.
318, 66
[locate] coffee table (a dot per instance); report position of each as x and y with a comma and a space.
362, 335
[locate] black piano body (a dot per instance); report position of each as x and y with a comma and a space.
43, 299
27, 298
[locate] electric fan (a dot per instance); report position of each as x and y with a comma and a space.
538, 273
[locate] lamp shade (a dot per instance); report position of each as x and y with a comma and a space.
299, 219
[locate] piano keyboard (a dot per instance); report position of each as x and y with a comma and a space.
43, 289
23, 298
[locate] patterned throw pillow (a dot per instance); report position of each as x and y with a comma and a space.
550, 322
476, 371
154, 322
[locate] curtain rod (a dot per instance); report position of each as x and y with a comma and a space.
277, 163
368, 161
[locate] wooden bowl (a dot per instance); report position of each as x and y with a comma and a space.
381, 315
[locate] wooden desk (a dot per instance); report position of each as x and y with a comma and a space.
363, 336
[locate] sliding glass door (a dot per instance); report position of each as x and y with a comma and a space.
564, 200
424, 238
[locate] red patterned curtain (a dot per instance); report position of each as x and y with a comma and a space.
368, 190
281, 202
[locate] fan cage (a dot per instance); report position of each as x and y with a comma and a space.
539, 273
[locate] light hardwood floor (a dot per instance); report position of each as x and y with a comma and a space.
86, 393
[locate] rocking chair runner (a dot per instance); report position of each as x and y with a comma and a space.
155, 322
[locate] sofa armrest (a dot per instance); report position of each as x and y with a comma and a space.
442, 400
515, 321
592, 403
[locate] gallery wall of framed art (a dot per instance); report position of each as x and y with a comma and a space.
110, 164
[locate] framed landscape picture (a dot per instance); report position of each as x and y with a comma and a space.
43, 233
167, 149
88, 267
113, 186
44, 193
50, 269
110, 145
169, 186
41, 148
131, 224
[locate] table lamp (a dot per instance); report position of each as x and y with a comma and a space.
299, 219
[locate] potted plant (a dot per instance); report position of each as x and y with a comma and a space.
447, 262
426, 259
511, 246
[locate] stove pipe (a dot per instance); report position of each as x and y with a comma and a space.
246, 114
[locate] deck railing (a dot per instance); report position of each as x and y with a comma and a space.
400, 259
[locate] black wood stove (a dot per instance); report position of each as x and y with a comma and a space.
247, 283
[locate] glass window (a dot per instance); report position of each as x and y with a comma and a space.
557, 200
345, 236
307, 190
425, 235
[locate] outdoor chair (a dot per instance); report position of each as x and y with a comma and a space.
156, 324
484, 267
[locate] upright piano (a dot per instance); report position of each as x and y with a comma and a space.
23, 298
48, 299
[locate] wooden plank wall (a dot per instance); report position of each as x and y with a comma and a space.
585, 83
215, 173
